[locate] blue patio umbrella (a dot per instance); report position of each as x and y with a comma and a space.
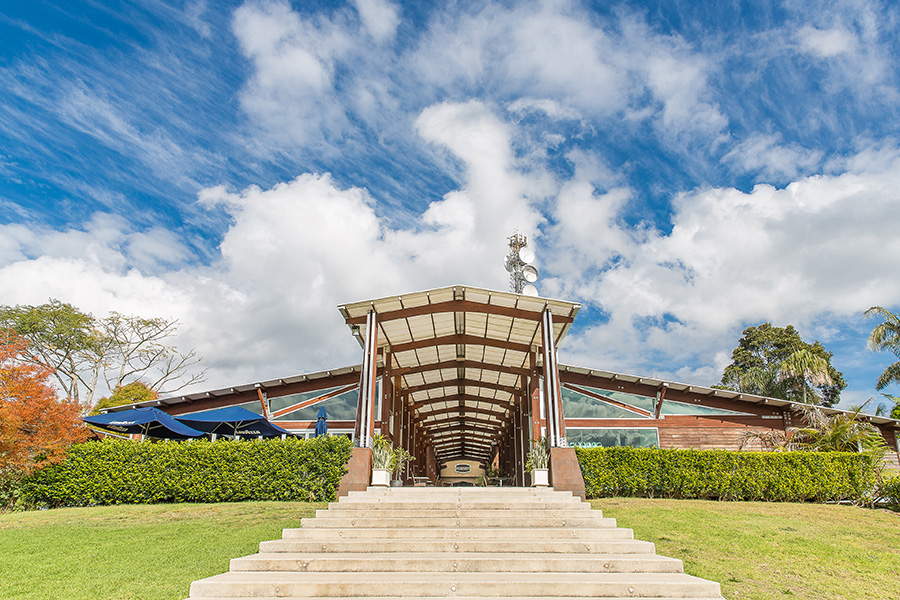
148, 421
233, 420
321, 422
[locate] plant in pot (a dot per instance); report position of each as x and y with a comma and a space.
401, 457
538, 463
382, 461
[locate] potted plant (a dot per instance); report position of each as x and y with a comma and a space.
382, 461
401, 457
538, 462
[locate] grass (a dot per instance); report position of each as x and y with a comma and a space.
757, 551
767, 551
136, 552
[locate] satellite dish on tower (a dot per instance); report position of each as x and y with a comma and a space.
529, 273
529, 290
526, 255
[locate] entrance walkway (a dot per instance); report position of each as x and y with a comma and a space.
457, 542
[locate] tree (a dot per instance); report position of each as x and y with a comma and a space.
805, 370
841, 432
886, 336
84, 353
36, 427
60, 338
761, 364
130, 393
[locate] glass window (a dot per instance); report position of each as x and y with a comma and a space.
608, 437
284, 401
581, 406
340, 408
635, 400
671, 407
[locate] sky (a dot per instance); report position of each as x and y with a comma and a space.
682, 169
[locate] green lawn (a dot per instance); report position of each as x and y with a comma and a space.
763, 551
755, 550
146, 552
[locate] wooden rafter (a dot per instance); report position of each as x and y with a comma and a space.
466, 409
458, 306
455, 364
463, 398
455, 340
436, 385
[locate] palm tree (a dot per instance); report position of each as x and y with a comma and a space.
809, 368
841, 432
886, 336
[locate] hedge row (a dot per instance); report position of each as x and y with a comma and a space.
130, 472
724, 475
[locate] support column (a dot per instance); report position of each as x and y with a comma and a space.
365, 411
556, 425
534, 396
387, 393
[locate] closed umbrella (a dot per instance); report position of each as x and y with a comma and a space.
149, 421
321, 422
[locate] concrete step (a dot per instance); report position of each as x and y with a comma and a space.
434, 584
468, 504
480, 513
369, 546
587, 520
449, 533
458, 598
434, 492
468, 543
455, 562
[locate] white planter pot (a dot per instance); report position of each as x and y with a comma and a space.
381, 477
540, 477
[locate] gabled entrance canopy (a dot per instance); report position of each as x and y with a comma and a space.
457, 364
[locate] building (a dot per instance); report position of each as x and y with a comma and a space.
469, 375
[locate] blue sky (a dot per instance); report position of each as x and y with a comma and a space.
683, 169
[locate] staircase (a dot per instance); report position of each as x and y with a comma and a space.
457, 542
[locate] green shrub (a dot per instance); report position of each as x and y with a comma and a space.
129, 472
725, 475
889, 491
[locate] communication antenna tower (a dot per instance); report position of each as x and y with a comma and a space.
518, 262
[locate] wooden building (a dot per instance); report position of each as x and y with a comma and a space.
462, 373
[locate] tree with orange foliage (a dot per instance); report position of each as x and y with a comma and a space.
36, 426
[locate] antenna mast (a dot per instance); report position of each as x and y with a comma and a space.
518, 264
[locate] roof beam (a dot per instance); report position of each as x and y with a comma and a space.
460, 409
462, 382
453, 340
457, 306
464, 413
463, 398
455, 364
463, 427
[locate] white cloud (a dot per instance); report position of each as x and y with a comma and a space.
551, 108
552, 57
768, 159
380, 17
812, 250
826, 42
267, 306
291, 91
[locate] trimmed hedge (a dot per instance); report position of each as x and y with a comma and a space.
130, 472
724, 475
889, 491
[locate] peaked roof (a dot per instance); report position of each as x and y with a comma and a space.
461, 354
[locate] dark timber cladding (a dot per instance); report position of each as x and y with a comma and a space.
460, 369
